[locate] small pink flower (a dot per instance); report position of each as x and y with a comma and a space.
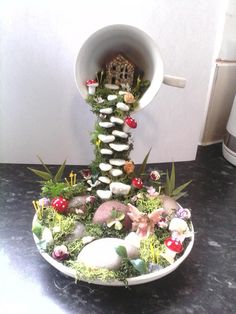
86, 174
155, 175
152, 191
60, 253
90, 199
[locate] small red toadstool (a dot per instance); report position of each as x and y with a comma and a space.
91, 84
60, 204
173, 246
137, 183
129, 123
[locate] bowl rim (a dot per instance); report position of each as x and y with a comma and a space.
142, 279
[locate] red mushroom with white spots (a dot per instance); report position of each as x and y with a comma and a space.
60, 204
137, 183
129, 123
172, 247
91, 84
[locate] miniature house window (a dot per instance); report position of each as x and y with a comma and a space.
120, 70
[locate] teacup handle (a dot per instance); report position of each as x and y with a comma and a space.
175, 81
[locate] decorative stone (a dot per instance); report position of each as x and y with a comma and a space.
122, 92
104, 194
169, 204
111, 97
47, 236
119, 147
112, 86
101, 253
122, 106
116, 172
116, 120
105, 180
133, 239
105, 151
119, 134
106, 124
117, 162
78, 203
106, 111
104, 213
106, 138
77, 233
119, 188
105, 167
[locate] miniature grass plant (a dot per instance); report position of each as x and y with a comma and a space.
170, 189
47, 174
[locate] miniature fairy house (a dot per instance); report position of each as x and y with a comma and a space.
120, 70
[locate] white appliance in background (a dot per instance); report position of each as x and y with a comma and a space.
229, 143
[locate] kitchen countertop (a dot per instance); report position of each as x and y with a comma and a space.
204, 283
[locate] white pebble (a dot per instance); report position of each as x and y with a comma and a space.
119, 134
106, 138
117, 162
116, 120
111, 97
119, 147
106, 110
116, 172
119, 188
104, 194
105, 167
122, 106
106, 151
106, 124
104, 180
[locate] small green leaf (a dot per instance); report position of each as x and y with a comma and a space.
167, 184
180, 188
60, 172
37, 229
45, 167
121, 251
144, 164
139, 265
181, 194
172, 178
42, 174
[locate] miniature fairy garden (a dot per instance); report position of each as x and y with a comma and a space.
114, 220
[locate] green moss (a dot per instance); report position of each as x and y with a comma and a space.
151, 249
148, 249
148, 205
66, 224
74, 248
97, 230
51, 189
91, 274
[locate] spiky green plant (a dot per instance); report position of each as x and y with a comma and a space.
47, 174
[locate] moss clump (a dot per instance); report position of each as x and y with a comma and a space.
102, 231
151, 249
60, 225
148, 204
74, 248
51, 189
91, 274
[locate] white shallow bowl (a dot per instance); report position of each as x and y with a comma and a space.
131, 281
